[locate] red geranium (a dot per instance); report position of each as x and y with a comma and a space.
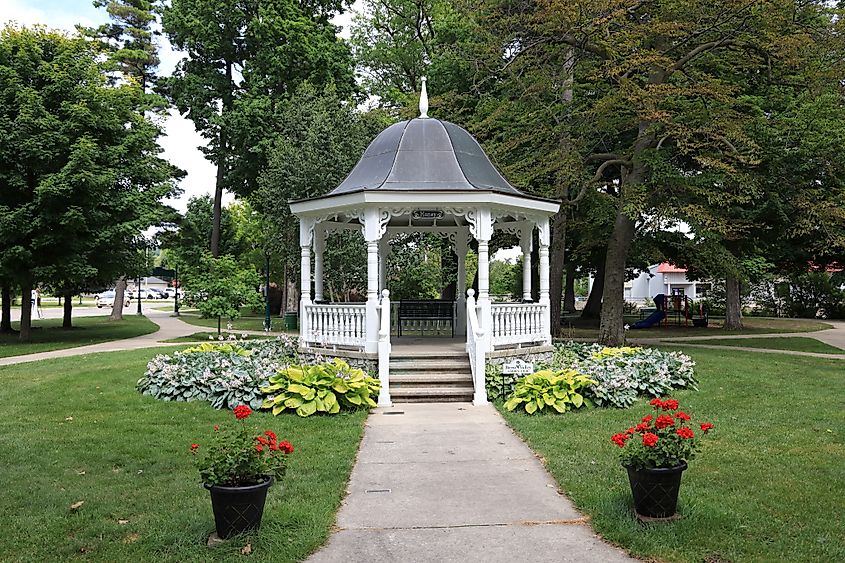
670, 405
705, 426
242, 411
642, 427
650, 439
685, 432
619, 439
664, 421
656, 403
648, 418
682, 415
286, 447
194, 447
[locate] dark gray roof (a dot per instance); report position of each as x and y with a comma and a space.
424, 154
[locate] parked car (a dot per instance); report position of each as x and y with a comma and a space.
157, 293
106, 299
170, 292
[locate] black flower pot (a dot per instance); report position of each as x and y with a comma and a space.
656, 490
238, 509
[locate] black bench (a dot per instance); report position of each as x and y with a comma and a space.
426, 310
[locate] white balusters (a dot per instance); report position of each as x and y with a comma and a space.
337, 324
517, 323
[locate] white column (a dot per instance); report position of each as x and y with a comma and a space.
306, 230
483, 232
384, 351
319, 246
461, 285
545, 237
383, 253
372, 235
525, 242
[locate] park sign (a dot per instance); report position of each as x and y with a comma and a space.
517, 367
427, 214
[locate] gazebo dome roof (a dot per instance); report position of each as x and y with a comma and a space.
425, 154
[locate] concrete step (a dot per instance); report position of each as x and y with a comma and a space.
430, 394
429, 366
432, 380
429, 356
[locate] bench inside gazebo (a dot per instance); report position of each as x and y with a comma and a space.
424, 176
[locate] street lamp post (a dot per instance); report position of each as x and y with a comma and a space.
176, 293
267, 291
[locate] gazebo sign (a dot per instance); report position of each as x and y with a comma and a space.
427, 214
518, 367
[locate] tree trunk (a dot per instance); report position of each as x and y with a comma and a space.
592, 308
733, 304
67, 314
26, 312
117, 307
218, 208
612, 328
557, 253
569, 291
6, 317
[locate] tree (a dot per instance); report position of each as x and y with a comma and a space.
243, 59
219, 287
80, 170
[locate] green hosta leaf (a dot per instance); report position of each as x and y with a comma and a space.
530, 408
577, 400
278, 408
293, 402
307, 409
340, 386
306, 393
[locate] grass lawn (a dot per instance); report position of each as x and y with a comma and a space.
578, 328
76, 430
798, 343
243, 323
49, 335
767, 486
204, 336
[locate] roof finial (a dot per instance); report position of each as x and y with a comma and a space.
423, 100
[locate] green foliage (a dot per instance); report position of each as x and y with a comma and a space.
226, 376
325, 388
226, 348
218, 287
414, 268
561, 390
240, 456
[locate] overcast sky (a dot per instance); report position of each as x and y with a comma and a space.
181, 141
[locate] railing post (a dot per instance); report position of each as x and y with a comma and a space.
384, 351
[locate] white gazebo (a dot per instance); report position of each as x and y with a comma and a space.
431, 176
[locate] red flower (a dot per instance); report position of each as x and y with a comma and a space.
664, 421
271, 434
649, 439
194, 447
259, 447
670, 405
656, 403
705, 426
262, 440
216, 427
242, 411
642, 427
286, 447
619, 439
682, 415
630, 430
648, 418
685, 432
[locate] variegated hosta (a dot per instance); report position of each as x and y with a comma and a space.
225, 375
623, 374
327, 387
561, 391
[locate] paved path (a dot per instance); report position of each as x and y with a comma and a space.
451, 482
169, 327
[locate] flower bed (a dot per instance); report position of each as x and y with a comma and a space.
620, 374
227, 375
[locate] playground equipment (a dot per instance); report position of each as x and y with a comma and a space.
679, 308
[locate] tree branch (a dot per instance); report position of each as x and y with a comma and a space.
704, 47
621, 162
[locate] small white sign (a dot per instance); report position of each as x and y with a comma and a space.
518, 367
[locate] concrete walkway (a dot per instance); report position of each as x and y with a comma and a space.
169, 327
451, 482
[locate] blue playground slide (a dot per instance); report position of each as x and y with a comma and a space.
650, 320
655, 317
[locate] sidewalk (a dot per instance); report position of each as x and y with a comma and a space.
451, 482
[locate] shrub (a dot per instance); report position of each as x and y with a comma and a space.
559, 390
499, 385
623, 374
326, 387
226, 377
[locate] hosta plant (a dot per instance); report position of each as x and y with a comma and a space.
241, 456
661, 440
561, 391
226, 348
326, 388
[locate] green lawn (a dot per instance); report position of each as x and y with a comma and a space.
767, 486
797, 343
578, 328
204, 336
76, 430
49, 335
243, 323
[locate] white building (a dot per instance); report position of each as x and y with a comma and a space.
664, 278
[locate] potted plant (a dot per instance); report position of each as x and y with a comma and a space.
655, 452
237, 468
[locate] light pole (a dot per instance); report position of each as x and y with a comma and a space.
176, 292
267, 291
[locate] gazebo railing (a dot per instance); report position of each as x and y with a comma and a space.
336, 324
517, 323
477, 342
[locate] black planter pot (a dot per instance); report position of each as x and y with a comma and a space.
656, 490
238, 509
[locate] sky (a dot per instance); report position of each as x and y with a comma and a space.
181, 141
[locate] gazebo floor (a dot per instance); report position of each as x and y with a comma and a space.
427, 345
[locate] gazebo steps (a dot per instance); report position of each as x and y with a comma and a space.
430, 365
430, 394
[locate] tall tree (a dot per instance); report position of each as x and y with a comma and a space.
243, 58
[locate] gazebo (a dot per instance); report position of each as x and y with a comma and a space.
431, 176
